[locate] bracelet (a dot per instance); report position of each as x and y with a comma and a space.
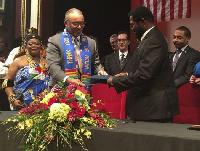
7, 83
12, 98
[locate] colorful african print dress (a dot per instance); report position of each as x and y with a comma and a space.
29, 82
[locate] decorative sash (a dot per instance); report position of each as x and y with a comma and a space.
70, 57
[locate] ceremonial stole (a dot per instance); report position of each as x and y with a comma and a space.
70, 57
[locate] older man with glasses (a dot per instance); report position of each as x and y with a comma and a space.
71, 55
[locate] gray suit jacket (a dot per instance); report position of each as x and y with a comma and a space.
55, 59
151, 91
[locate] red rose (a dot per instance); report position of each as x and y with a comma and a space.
74, 105
63, 101
51, 101
71, 116
80, 111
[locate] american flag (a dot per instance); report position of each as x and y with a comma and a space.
164, 10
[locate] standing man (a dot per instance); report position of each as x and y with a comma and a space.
72, 56
185, 58
120, 60
113, 43
151, 94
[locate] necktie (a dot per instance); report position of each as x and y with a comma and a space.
77, 49
176, 57
122, 61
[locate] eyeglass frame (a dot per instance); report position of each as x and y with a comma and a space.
76, 24
122, 40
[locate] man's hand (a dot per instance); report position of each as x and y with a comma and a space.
77, 81
192, 79
121, 74
109, 81
102, 72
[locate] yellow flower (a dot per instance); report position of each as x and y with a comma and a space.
82, 130
47, 97
41, 146
21, 125
29, 123
59, 111
78, 132
88, 134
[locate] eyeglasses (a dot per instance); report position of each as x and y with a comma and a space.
122, 40
76, 24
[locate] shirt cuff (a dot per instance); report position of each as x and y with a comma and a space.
64, 80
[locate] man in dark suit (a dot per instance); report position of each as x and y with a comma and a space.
119, 61
184, 58
71, 55
113, 42
151, 94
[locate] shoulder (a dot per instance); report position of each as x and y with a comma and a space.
192, 51
20, 59
113, 54
54, 38
90, 40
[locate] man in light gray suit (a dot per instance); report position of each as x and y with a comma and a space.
72, 56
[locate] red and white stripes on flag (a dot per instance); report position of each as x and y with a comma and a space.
164, 10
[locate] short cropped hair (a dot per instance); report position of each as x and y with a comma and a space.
72, 10
123, 32
186, 30
141, 12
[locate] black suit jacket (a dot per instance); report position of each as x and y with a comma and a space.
151, 90
112, 63
185, 65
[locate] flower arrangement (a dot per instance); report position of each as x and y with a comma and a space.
63, 115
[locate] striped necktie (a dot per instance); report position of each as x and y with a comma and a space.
77, 49
176, 57
122, 61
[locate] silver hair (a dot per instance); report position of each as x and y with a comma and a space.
112, 36
72, 10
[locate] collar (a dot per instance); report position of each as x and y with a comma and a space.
125, 53
183, 48
146, 32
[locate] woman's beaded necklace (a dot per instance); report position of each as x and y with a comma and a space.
30, 60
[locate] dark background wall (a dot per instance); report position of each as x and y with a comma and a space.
103, 17
7, 29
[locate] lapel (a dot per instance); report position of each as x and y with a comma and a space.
183, 55
116, 59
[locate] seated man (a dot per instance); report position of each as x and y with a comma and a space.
184, 58
118, 61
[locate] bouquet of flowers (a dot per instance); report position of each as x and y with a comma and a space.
63, 115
